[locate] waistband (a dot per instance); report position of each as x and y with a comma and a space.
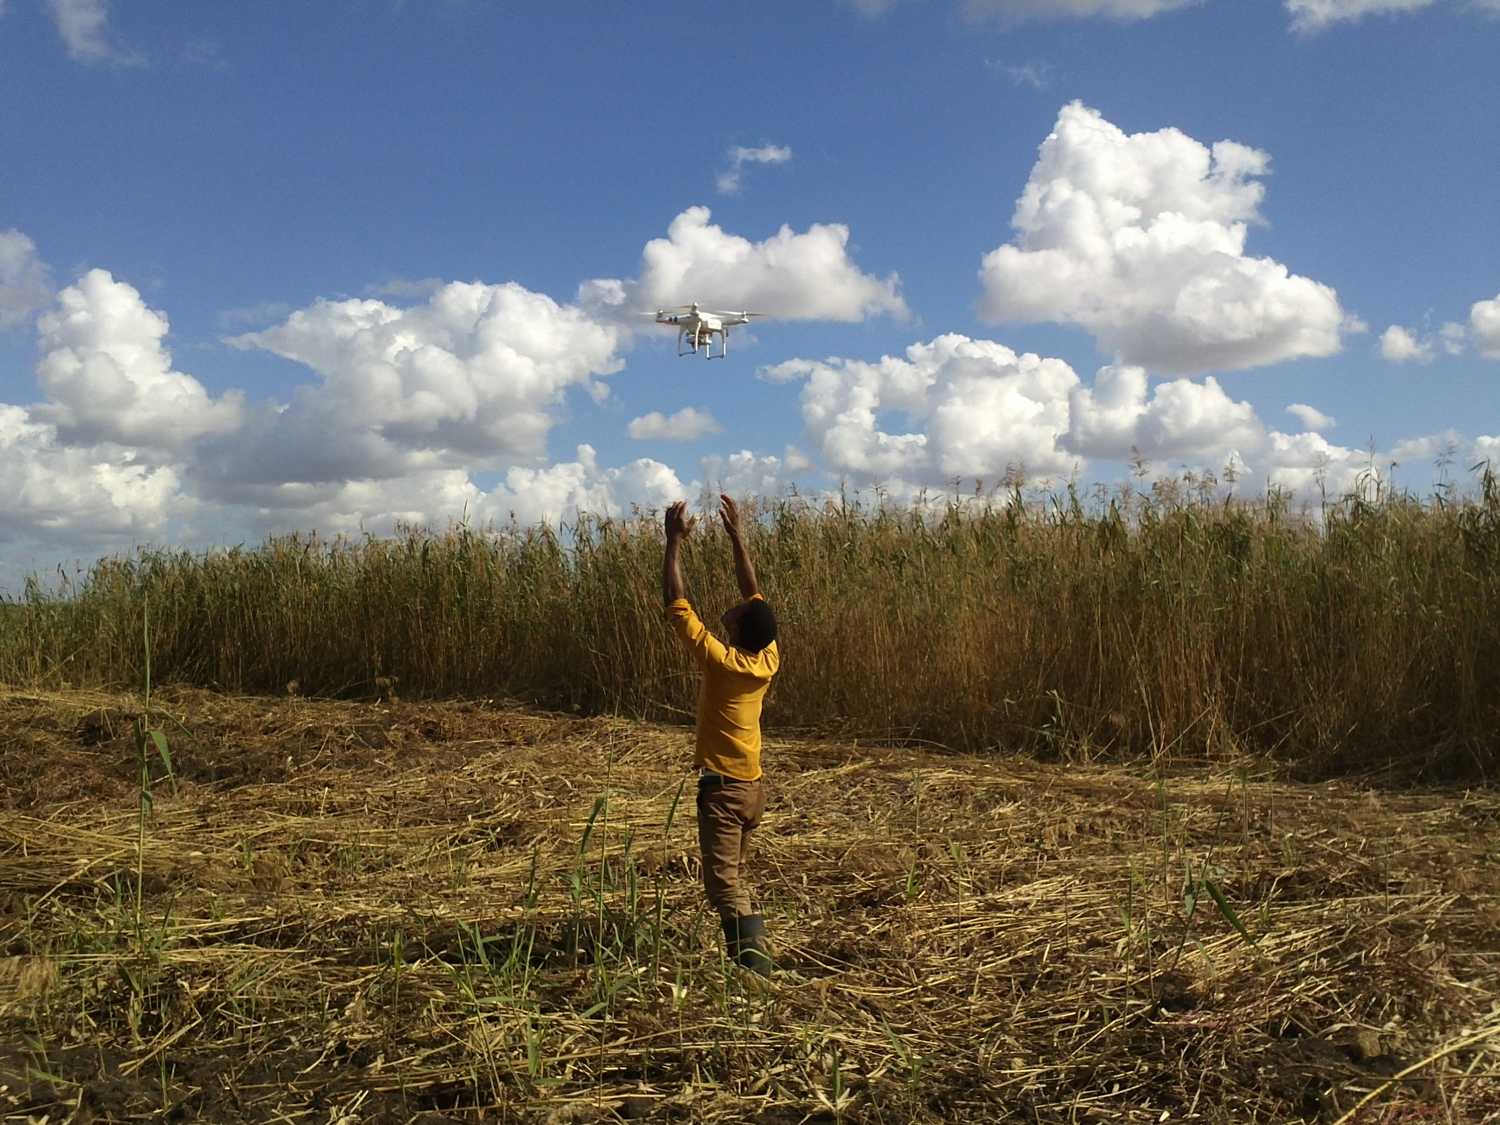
707, 778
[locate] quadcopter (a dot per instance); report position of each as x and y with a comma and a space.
696, 328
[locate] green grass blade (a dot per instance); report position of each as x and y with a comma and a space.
1225, 909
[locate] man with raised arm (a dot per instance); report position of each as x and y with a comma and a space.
731, 793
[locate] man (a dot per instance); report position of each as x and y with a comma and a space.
731, 793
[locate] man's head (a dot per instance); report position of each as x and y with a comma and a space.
751, 625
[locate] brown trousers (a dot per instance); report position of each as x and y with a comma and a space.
728, 811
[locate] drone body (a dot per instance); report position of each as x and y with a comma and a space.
696, 328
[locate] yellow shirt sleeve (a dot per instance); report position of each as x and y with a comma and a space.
705, 647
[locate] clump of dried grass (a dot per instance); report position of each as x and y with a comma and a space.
461, 911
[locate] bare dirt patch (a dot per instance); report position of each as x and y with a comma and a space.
463, 911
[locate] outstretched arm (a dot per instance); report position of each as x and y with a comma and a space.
744, 570
705, 647
678, 528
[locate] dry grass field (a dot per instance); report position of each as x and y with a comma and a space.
342, 911
1362, 638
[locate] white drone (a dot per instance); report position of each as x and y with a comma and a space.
696, 328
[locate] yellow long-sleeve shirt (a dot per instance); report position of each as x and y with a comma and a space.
729, 700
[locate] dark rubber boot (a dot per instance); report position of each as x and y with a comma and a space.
743, 938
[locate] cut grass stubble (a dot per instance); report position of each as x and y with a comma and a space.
458, 923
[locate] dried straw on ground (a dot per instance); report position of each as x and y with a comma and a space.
397, 912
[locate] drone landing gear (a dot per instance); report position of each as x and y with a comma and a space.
702, 343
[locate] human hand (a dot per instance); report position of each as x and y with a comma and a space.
679, 526
729, 512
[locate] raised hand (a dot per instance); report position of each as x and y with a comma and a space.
744, 571
729, 512
679, 526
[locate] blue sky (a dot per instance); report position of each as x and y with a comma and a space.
281, 266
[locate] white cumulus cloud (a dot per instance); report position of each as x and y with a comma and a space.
438, 498
474, 376
1400, 345
560, 492
1484, 324
1314, 15
1311, 417
728, 181
422, 498
25, 281
1306, 464
688, 424
108, 376
1427, 447
805, 275
746, 473
74, 496
1179, 420
974, 408
84, 28
403, 406
1140, 239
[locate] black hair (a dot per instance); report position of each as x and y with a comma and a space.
756, 626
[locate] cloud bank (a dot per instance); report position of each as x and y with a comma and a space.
406, 404
956, 407
411, 393
471, 377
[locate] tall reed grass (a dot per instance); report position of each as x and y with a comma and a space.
1166, 623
